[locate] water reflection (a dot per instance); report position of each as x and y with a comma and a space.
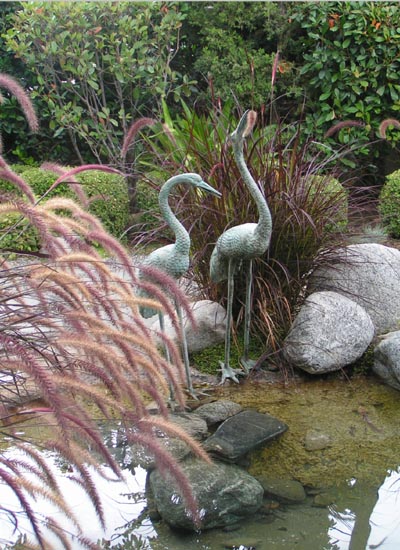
358, 514
122, 502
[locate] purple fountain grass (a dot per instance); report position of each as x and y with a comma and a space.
15, 89
385, 124
132, 132
12, 177
75, 185
72, 326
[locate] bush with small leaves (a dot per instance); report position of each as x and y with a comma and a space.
106, 192
389, 204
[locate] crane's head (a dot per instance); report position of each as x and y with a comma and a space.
245, 126
197, 181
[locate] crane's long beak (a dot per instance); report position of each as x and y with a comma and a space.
203, 185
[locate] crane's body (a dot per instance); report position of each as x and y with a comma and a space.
241, 244
174, 259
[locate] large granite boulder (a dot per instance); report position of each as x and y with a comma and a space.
387, 360
368, 274
225, 494
210, 319
243, 433
329, 332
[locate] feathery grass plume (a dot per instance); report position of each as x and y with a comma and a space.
76, 186
343, 124
132, 132
387, 123
12, 177
15, 89
75, 316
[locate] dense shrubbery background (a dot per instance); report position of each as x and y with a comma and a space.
336, 61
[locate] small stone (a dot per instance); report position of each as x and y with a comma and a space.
284, 490
193, 424
218, 411
316, 441
323, 500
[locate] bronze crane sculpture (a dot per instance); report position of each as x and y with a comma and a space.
174, 259
239, 245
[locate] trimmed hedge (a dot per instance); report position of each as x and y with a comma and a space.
389, 204
108, 201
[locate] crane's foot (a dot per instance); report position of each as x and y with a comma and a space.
229, 373
248, 364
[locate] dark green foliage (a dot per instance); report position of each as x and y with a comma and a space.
389, 204
233, 44
349, 64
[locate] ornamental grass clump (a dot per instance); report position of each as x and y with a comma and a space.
71, 335
308, 206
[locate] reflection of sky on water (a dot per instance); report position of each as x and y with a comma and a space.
363, 518
375, 518
118, 506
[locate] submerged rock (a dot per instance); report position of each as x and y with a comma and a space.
225, 493
316, 441
288, 491
242, 433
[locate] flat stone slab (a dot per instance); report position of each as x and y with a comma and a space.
242, 433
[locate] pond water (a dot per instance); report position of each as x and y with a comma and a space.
353, 484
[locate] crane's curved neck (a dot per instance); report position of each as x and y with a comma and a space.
182, 239
264, 225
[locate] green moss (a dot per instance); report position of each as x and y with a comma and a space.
207, 360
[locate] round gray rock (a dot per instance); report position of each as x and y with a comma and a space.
329, 332
387, 360
369, 274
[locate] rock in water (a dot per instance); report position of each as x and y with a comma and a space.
225, 494
242, 433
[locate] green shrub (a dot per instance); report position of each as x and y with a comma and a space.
107, 194
337, 197
147, 205
109, 199
389, 204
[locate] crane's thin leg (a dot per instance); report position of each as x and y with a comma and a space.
245, 361
168, 358
227, 371
185, 352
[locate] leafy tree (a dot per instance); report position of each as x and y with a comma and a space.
98, 65
349, 58
233, 45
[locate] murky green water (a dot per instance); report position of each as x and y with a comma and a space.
353, 483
